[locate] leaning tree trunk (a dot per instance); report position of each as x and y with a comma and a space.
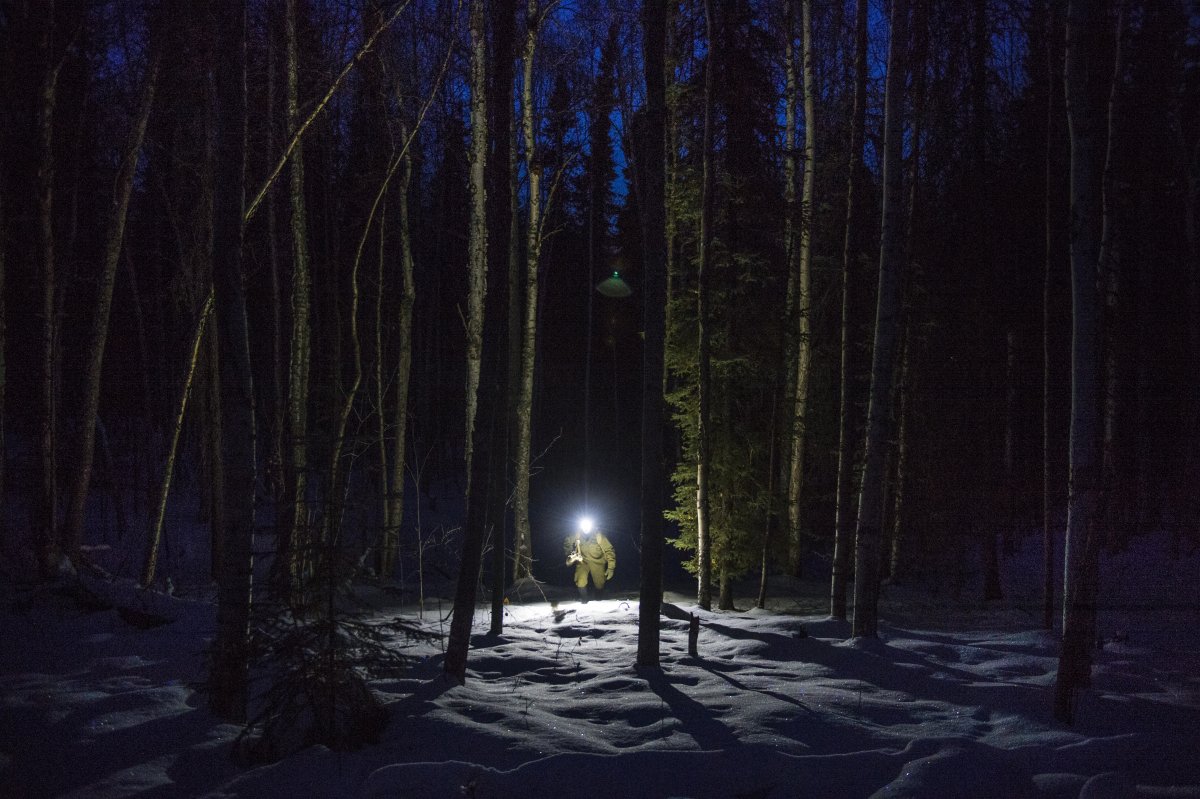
844, 523
868, 543
150, 564
1083, 57
803, 296
704, 356
82, 476
455, 662
47, 512
652, 177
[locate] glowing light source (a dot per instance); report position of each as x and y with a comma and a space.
614, 286
586, 524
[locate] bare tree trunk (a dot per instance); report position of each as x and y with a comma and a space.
868, 542
1054, 111
533, 243
845, 524
900, 560
49, 549
1085, 23
651, 175
501, 214
455, 662
408, 297
73, 528
295, 531
229, 677
803, 297
704, 388
277, 469
150, 564
770, 510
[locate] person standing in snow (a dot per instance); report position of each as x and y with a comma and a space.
592, 555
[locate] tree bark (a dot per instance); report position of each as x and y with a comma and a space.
803, 297
533, 243
1085, 23
115, 237
474, 534
47, 509
150, 564
408, 298
229, 675
704, 356
868, 540
651, 174
844, 524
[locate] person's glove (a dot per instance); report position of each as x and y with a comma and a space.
608, 574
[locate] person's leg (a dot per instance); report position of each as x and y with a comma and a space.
581, 578
597, 572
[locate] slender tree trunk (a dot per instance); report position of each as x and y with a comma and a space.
1113, 317
289, 550
408, 298
845, 523
1054, 112
47, 514
455, 662
229, 678
150, 564
277, 477
791, 262
501, 215
803, 295
704, 357
82, 476
651, 174
868, 540
766, 542
1085, 22
210, 412
533, 243
900, 559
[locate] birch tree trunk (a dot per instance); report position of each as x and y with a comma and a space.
150, 564
1085, 22
408, 298
703, 277
533, 243
803, 296
652, 178
455, 662
844, 524
868, 541
295, 531
82, 475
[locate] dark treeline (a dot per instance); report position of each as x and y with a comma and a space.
291, 273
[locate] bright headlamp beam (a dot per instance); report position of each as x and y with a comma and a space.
586, 524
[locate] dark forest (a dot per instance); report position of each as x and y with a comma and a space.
301, 295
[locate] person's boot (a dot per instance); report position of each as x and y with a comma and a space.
583, 595
598, 594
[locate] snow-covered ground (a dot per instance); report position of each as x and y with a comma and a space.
954, 700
